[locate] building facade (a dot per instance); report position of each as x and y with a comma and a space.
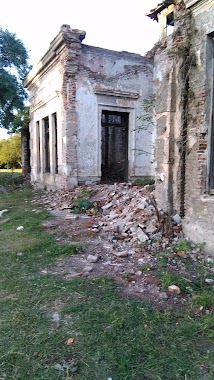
184, 148
86, 112
93, 112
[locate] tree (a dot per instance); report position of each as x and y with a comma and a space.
10, 151
13, 69
21, 120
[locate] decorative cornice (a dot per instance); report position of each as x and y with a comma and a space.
116, 92
197, 5
44, 101
190, 3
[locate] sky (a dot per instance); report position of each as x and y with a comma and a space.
114, 24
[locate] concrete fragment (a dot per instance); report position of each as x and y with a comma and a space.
174, 289
163, 296
108, 246
141, 261
2, 189
93, 258
88, 268
55, 317
141, 205
141, 225
138, 273
107, 206
20, 228
73, 275
150, 229
209, 260
71, 217
176, 218
209, 281
2, 212
120, 254
5, 220
141, 236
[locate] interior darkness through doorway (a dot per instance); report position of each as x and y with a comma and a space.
114, 146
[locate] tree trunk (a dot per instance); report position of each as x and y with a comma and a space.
25, 138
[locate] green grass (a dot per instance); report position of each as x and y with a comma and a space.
114, 337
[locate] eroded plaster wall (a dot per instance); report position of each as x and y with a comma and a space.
183, 81
199, 203
116, 81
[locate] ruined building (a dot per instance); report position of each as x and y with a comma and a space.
86, 107
183, 85
88, 110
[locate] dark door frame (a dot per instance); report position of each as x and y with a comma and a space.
116, 119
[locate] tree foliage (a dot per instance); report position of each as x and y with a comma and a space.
10, 151
13, 69
21, 119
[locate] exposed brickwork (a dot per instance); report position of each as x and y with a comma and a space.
69, 60
190, 54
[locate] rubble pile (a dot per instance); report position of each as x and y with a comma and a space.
128, 214
123, 212
127, 237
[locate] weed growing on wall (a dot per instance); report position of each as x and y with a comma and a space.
145, 122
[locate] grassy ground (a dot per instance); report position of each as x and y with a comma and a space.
80, 328
10, 171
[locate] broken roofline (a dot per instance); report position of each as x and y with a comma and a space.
52, 53
58, 43
153, 14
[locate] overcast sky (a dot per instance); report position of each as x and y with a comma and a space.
114, 24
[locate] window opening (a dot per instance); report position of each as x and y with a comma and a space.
169, 23
54, 120
46, 144
38, 147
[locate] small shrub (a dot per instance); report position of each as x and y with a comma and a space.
82, 202
182, 245
168, 278
205, 298
162, 259
144, 181
127, 276
145, 267
81, 205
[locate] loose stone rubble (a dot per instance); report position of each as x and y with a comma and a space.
123, 211
125, 236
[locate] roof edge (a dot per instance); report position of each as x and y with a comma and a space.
153, 14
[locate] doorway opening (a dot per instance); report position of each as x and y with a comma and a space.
114, 147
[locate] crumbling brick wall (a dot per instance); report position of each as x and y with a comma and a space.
182, 149
69, 61
171, 87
